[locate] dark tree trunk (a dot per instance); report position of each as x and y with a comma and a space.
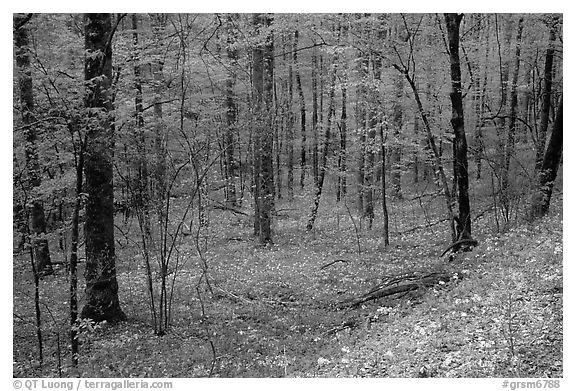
361, 127
373, 122
290, 130
511, 139
315, 115
549, 169
547, 94
385, 231
263, 72
101, 285
396, 153
504, 81
342, 182
37, 221
231, 116
478, 137
326, 147
302, 111
464, 222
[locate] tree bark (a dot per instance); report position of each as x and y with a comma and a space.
302, 111
464, 222
549, 169
231, 117
511, 139
361, 127
102, 301
547, 94
37, 221
373, 122
315, 115
396, 150
263, 72
326, 147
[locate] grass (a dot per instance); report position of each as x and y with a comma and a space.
273, 311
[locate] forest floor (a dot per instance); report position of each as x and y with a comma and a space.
275, 311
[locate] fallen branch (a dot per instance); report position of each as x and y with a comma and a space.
332, 263
460, 243
401, 284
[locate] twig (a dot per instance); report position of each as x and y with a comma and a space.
333, 262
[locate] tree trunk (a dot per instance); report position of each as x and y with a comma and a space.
326, 147
231, 116
361, 127
385, 231
396, 153
342, 182
373, 122
263, 72
464, 222
302, 111
290, 130
511, 139
547, 95
549, 169
315, 115
478, 137
101, 286
37, 221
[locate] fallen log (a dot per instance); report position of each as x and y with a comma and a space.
402, 284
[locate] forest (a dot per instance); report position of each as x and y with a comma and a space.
287, 195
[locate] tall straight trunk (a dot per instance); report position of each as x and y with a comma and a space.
326, 145
74, 256
263, 73
373, 123
549, 168
102, 301
464, 222
361, 112
231, 116
37, 221
385, 230
478, 137
290, 129
504, 57
546, 95
342, 182
415, 160
511, 140
315, 115
302, 111
396, 153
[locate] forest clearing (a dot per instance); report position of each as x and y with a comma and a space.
288, 195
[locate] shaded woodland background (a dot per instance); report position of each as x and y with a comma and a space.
287, 195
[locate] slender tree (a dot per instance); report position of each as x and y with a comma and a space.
37, 219
231, 114
102, 301
302, 109
511, 121
460, 158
